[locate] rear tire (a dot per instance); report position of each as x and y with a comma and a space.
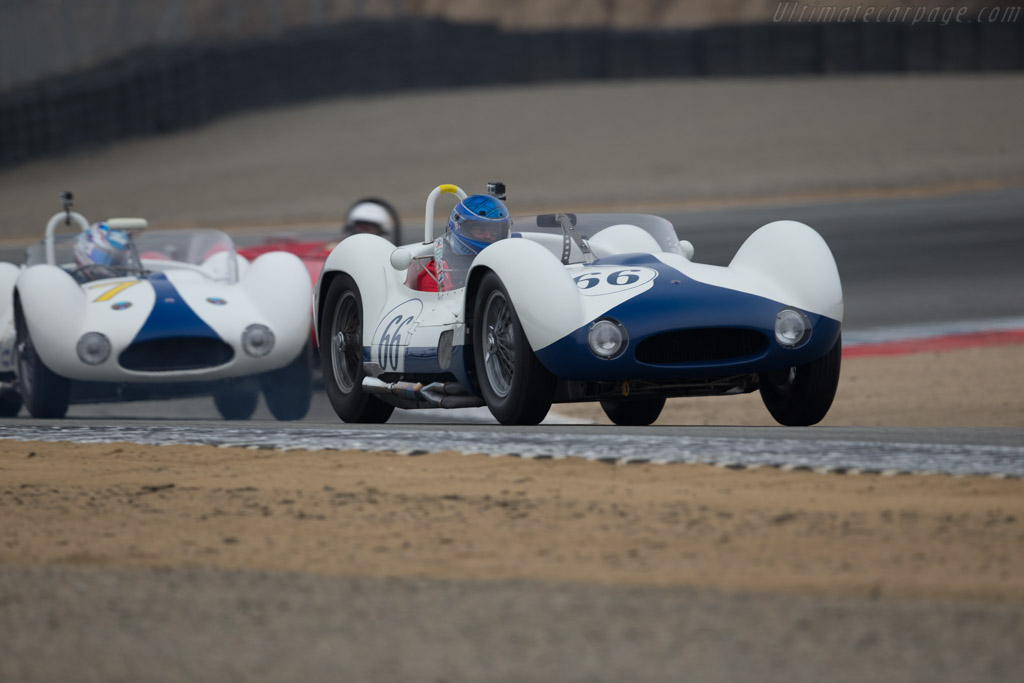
237, 400
801, 396
45, 393
638, 412
288, 391
516, 388
341, 355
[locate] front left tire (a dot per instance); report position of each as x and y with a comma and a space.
802, 395
237, 399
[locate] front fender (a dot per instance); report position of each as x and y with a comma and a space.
544, 296
366, 259
792, 263
277, 284
53, 306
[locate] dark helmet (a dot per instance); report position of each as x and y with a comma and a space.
477, 221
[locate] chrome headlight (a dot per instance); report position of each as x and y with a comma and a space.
792, 328
93, 348
257, 340
607, 338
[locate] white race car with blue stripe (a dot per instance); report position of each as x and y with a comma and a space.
185, 316
582, 307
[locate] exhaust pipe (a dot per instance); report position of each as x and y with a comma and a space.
413, 395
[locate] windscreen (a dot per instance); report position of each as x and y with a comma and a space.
547, 229
211, 250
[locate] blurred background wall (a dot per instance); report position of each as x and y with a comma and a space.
75, 73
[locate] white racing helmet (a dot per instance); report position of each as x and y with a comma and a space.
371, 216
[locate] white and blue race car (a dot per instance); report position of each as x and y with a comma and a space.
183, 316
581, 307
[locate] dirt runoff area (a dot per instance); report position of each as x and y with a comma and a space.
451, 516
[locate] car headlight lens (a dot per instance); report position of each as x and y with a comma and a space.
792, 328
257, 340
607, 338
93, 348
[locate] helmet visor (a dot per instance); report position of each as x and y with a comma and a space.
367, 226
483, 231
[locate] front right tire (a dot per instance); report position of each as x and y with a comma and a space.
517, 389
45, 393
341, 355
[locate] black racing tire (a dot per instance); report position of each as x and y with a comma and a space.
637, 412
10, 402
46, 394
288, 391
341, 355
237, 399
517, 389
801, 396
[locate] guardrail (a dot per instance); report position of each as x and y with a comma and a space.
157, 90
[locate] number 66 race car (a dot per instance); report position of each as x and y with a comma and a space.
119, 313
575, 307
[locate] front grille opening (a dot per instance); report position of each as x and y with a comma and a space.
700, 346
170, 355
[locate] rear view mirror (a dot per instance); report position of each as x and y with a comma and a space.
401, 259
126, 223
550, 220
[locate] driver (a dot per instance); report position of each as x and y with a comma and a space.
476, 222
372, 216
100, 252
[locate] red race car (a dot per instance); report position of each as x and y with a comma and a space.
370, 215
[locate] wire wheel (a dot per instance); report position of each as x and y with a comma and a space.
341, 355
515, 386
346, 341
499, 344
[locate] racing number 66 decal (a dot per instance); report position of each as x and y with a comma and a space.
610, 279
393, 332
391, 342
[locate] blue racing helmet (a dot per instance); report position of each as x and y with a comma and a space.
478, 220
